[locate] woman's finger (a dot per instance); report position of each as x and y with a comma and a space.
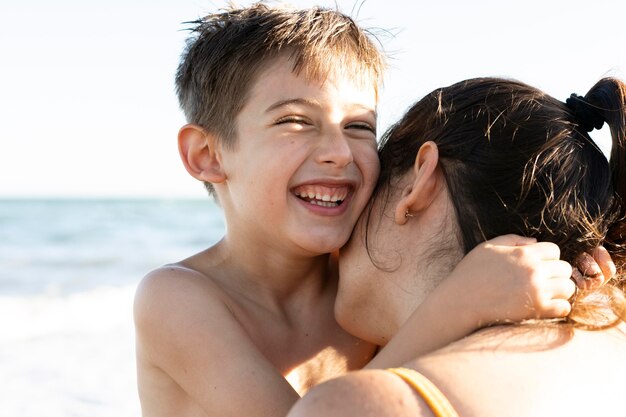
512, 240
605, 262
578, 278
557, 269
557, 308
561, 288
547, 250
587, 265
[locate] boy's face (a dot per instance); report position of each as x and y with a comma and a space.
305, 162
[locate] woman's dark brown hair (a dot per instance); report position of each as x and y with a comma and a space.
518, 161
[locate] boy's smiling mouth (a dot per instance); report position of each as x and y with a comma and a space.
323, 196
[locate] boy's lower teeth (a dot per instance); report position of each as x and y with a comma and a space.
324, 203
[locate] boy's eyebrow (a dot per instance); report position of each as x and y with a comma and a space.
282, 103
309, 102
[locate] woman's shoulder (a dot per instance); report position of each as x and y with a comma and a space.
530, 370
365, 393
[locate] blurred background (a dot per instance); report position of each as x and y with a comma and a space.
92, 191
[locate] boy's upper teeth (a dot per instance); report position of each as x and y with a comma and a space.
322, 193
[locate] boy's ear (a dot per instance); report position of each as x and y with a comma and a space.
200, 154
421, 189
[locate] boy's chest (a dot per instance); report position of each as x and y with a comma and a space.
328, 363
310, 353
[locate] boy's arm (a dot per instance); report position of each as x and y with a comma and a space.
187, 331
506, 279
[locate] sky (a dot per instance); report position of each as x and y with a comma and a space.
87, 102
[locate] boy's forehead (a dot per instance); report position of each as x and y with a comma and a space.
278, 79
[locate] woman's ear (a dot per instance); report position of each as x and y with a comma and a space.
420, 190
199, 152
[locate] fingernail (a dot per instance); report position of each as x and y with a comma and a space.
588, 266
577, 277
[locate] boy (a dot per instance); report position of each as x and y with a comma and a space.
288, 148
282, 113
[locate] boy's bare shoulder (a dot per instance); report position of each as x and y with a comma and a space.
193, 352
180, 303
177, 290
178, 278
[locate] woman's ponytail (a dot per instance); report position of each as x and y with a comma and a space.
608, 98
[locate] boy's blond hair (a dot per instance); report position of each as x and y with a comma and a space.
227, 50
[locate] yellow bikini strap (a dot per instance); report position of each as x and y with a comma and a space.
437, 402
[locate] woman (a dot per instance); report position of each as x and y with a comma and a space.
478, 159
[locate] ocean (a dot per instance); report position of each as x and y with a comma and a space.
68, 272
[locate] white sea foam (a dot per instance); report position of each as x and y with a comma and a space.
68, 355
68, 273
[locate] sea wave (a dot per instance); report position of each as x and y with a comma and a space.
68, 272
68, 355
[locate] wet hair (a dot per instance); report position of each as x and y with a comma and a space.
516, 160
227, 51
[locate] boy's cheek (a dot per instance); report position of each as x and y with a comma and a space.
373, 170
366, 156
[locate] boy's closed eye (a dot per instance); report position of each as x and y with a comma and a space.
362, 126
293, 119
362, 129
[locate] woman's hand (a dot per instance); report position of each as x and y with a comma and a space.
512, 278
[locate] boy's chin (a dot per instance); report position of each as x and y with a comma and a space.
322, 238
321, 246
323, 249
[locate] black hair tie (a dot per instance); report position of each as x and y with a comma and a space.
587, 116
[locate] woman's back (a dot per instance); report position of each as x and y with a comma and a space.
512, 371
533, 370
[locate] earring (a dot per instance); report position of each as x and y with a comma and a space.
407, 214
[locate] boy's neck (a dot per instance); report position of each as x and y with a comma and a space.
273, 277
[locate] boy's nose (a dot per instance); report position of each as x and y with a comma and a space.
335, 149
